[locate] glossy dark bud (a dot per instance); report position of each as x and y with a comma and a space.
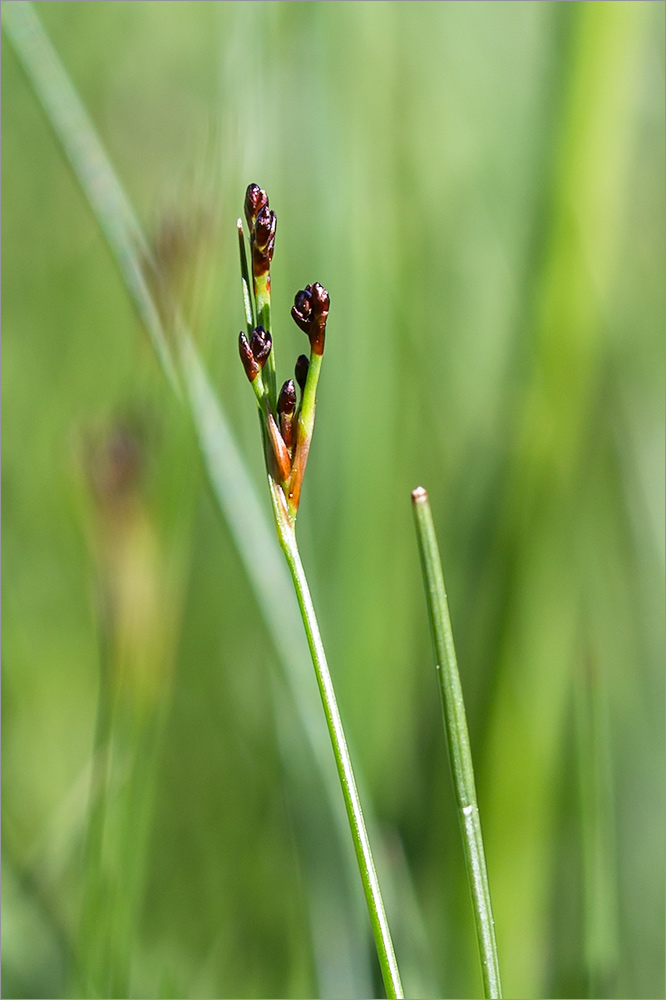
264, 229
287, 398
285, 408
310, 312
263, 241
321, 300
255, 199
251, 367
301, 370
302, 309
260, 345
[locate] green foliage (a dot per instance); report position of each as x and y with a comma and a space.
480, 188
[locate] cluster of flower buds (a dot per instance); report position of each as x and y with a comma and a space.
254, 353
262, 223
288, 427
310, 312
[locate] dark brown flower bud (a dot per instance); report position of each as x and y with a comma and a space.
302, 309
263, 241
301, 370
287, 398
264, 230
255, 200
260, 345
321, 298
251, 367
310, 312
285, 407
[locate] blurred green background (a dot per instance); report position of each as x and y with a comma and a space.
480, 186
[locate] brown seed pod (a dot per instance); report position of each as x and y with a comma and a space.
260, 345
255, 199
263, 241
310, 312
287, 398
250, 365
286, 406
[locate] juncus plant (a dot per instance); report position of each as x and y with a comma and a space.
287, 425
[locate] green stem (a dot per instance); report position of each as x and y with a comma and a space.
262, 298
245, 275
305, 427
308, 403
373, 896
457, 737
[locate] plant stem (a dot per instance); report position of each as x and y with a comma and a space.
262, 299
457, 737
373, 896
245, 274
303, 434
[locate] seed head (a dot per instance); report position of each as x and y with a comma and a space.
285, 407
251, 367
260, 345
310, 312
287, 398
255, 200
263, 241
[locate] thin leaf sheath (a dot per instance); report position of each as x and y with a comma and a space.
457, 737
304, 434
380, 927
248, 305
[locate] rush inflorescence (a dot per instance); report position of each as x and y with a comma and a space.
287, 422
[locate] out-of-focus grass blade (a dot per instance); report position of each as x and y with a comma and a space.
89, 162
601, 936
546, 616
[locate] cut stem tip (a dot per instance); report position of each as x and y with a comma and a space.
419, 495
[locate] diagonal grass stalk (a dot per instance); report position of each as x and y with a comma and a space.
457, 737
89, 162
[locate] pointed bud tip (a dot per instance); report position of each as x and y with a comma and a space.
255, 200
321, 297
310, 312
265, 227
301, 370
287, 398
260, 345
247, 357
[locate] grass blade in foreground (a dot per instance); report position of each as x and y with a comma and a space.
457, 736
